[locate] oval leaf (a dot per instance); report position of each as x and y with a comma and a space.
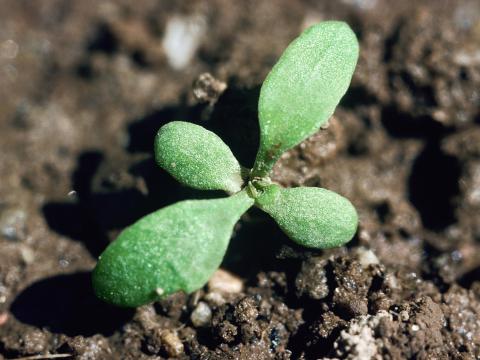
302, 90
312, 217
197, 157
175, 248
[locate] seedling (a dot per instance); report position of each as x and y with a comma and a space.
177, 248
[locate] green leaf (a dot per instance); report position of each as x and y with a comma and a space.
312, 217
197, 157
175, 248
302, 90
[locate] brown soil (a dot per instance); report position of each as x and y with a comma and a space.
84, 85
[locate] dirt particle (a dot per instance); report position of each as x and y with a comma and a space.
3, 318
13, 224
311, 281
328, 323
246, 311
91, 348
208, 89
8, 49
367, 257
201, 315
215, 298
172, 344
35, 341
403, 315
352, 284
358, 340
224, 282
227, 331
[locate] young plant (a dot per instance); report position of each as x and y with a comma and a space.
177, 248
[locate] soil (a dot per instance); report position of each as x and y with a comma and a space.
86, 84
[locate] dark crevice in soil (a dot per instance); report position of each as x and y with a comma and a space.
140, 59
424, 95
9, 354
103, 40
316, 314
433, 186
357, 95
433, 182
66, 304
403, 125
383, 211
391, 42
469, 278
431, 269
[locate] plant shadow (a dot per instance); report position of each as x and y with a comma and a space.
102, 204
66, 304
260, 245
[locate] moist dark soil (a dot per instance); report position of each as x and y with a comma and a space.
84, 85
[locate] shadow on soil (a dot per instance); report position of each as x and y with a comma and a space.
433, 183
66, 304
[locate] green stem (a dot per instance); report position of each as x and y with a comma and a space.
264, 163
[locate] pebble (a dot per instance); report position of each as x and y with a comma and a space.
224, 282
202, 315
28, 255
404, 315
367, 257
12, 225
172, 344
182, 38
215, 298
9, 49
208, 89
3, 318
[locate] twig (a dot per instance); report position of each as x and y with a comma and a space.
46, 356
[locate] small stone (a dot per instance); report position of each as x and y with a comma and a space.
28, 256
202, 315
3, 318
367, 257
183, 35
208, 89
12, 225
8, 49
215, 298
63, 263
34, 341
246, 310
224, 282
171, 343
404, 315
227, 331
